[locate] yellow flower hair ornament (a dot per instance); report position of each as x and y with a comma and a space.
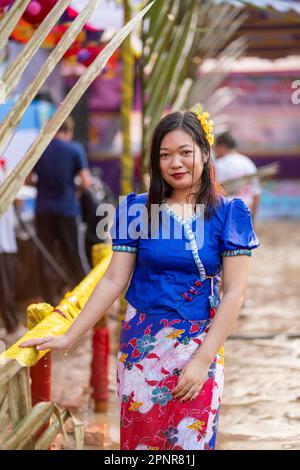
205, 121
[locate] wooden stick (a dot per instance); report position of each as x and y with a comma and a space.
8, 370
4, 417
28, 426
13, 395
24, 391
127, 162
263, 173
10, 20
44, 442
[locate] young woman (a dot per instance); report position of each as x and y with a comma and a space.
171, 355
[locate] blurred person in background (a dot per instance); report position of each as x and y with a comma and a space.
57, 206
230, 165
91, 199
8, 251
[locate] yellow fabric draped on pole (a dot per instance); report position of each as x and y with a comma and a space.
56, 321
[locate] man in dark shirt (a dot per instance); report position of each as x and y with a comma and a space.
57, 206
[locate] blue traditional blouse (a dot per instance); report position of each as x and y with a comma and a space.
178, 267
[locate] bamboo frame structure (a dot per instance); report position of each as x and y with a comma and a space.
15, 396
20, 422
14, 181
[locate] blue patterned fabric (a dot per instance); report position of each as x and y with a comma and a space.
173, 265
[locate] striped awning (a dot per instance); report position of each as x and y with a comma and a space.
272, 27
278, 5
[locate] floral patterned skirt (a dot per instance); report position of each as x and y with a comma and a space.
152, 352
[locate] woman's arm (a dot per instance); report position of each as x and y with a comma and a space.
107, 290
194, 374
235, 278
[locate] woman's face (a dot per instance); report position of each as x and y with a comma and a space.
176, 160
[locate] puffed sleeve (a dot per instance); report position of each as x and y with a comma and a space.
238, 237
123, 235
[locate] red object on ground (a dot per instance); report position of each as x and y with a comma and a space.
37, 10
40, 375
99, 372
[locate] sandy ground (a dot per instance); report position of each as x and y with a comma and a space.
261, 400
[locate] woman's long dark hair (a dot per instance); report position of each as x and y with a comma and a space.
159, 189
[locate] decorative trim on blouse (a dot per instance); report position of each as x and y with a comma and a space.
242, 251
191, 237
129, 249
178, 218
186, 223
213, 299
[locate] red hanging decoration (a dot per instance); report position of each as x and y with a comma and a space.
37, 11
6, 3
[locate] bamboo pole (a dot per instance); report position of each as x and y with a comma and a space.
127, 161
45, 440
24, 390
4, 417
3, 392
60, 417
14, 72
18, 392
28, 426
19, 400
14, 181
8, 370
143, 163
263, 173
13, 394
14, 116
10, 20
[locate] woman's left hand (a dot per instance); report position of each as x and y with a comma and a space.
191, 379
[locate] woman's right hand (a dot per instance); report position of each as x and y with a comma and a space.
48, 342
